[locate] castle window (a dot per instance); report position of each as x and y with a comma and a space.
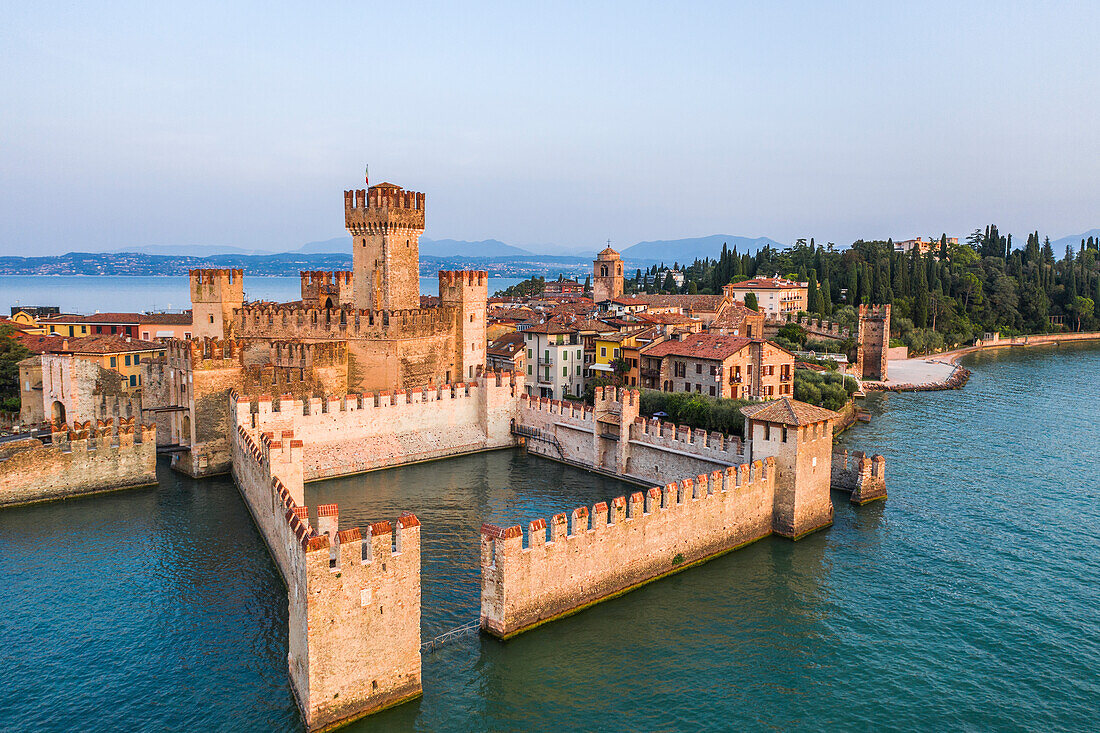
211, 318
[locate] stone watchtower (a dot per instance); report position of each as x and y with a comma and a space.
873, 341
607, 276
385, 223
800, 436
214, 295
466, 292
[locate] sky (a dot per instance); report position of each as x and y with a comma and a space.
240, 124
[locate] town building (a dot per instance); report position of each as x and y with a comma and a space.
154, 326
563, 287
507, 353
555, 361
717, 365
95, 377
775, 296
923, 246
738, 320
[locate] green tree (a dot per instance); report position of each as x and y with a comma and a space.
1081, 307
750, 301
11, 353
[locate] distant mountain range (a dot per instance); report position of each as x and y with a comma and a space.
1074, 241
688, 250
680, 250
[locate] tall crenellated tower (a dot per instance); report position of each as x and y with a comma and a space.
468, 293
607, 276
214, 295
873, 340
800, 437
385, 223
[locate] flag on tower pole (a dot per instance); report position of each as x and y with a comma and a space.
366, 175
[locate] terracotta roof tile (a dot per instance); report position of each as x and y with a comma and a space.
700, 346
788, 411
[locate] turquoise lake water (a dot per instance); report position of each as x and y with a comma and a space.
969, 600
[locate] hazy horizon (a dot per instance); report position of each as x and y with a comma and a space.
129, 125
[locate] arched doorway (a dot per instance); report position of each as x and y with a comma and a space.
185, 432
58, 413
328, 303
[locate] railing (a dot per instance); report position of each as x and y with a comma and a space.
465, 630
536, 434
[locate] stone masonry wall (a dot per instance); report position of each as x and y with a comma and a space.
864, 477
81, 460
656, 452
358, 433
628, 544
354, 605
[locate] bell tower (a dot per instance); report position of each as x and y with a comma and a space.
607, 275
385, 222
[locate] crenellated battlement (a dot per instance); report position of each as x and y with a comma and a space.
593, 554
874, 311
354, 595
358, 432
268, 410
863, 476
683, 437
260, 320
323, 289
462, 278
82, 458
383, 209
612, 437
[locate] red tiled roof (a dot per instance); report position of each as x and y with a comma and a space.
788, 411
38, 343
116, 318
167, 319
700, 346
104, 345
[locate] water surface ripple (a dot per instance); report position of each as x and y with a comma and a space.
969, 600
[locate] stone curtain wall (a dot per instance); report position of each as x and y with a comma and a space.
664, 451
603, 553
364, 432
656, 452
82, 460
354, 606
864, 477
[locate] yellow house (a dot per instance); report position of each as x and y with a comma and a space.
609, 348
28, 324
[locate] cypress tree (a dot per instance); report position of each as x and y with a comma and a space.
812, 295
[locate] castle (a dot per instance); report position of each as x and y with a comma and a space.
357, 376
357, 331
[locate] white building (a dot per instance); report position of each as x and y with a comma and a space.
555, 361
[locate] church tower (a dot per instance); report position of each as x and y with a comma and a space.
607, 276
385, 223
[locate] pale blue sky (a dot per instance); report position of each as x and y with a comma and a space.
197, 123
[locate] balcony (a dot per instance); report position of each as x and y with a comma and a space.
650, 373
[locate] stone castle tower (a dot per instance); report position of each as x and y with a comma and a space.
385, 223
214, 295
466, 292
607, 276
873, 341
800, 437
